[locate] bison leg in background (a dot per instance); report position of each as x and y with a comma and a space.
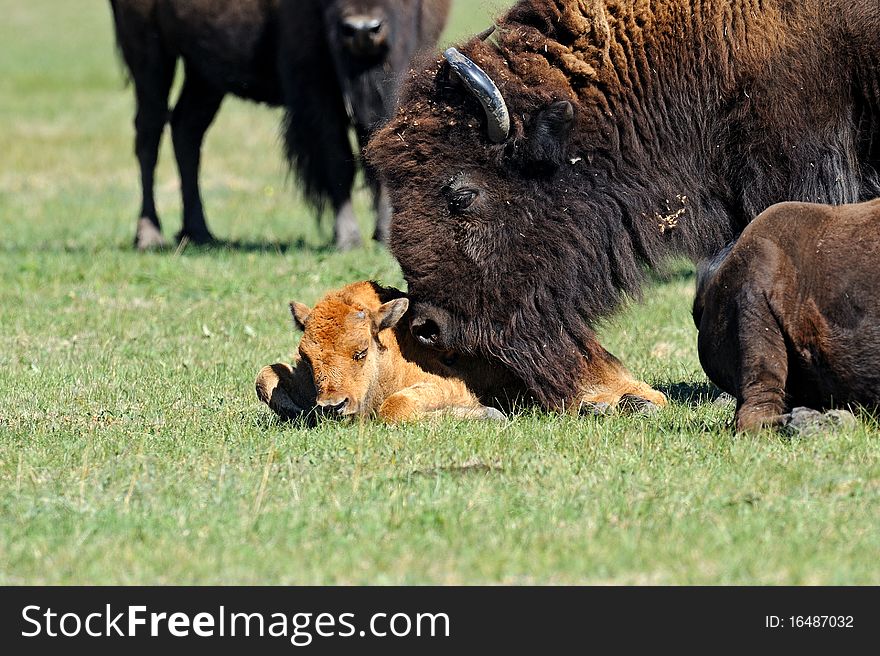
610, 385
152, 71
381, 200
318, 146
193, 114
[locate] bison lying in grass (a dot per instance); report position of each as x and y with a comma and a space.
788, 316
358, 357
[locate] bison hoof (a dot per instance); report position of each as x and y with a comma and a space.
197, 238
347, 241
148, 236
725, 401
805, 422
494, 414
594, 409
630, 404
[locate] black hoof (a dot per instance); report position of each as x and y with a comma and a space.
201, 238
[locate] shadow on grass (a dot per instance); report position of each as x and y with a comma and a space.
218, 246
695, 394
242, 246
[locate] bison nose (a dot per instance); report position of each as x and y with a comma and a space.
425, 330
365, 35
334, 404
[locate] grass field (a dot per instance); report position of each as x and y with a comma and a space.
133, 449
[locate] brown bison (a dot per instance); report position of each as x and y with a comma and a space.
551, 161
358, 356
788, 315
356, 361
333, 64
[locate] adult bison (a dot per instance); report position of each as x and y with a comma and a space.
788, 315
334, 64
581, 142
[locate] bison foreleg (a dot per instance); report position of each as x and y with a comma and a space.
192, 116
610, 386
152, 76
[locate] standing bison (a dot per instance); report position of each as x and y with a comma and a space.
334, 64
551, 162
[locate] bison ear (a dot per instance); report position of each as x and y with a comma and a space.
390, 313
300, 314
548, 134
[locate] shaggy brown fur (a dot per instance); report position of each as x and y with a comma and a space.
789, 315
334, 64
639, 130
335, 332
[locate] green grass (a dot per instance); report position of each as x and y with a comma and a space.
133, 449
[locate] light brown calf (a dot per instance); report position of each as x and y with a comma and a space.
362, 363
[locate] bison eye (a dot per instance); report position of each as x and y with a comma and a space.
360, 355
462, 199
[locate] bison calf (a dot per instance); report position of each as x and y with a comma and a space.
357, 359
788, 315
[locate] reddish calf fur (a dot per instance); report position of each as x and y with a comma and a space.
398, 378
363, 364
789, 315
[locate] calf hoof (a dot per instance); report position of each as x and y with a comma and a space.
270, 390
805, 422
630, 404
148, 236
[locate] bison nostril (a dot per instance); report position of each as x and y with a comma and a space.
425, 330
360, 25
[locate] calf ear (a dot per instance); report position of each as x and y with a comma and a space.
300, 314
548, 134
390, 313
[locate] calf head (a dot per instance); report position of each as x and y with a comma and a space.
342, 345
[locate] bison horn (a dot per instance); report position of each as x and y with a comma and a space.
485, 90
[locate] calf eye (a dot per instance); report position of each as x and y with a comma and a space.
462, 199
360, 355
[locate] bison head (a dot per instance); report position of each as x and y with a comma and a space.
372, 44
494, 165
341, 345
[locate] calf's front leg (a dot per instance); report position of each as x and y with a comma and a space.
423, 400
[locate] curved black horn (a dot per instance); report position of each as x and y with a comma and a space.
485, 90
